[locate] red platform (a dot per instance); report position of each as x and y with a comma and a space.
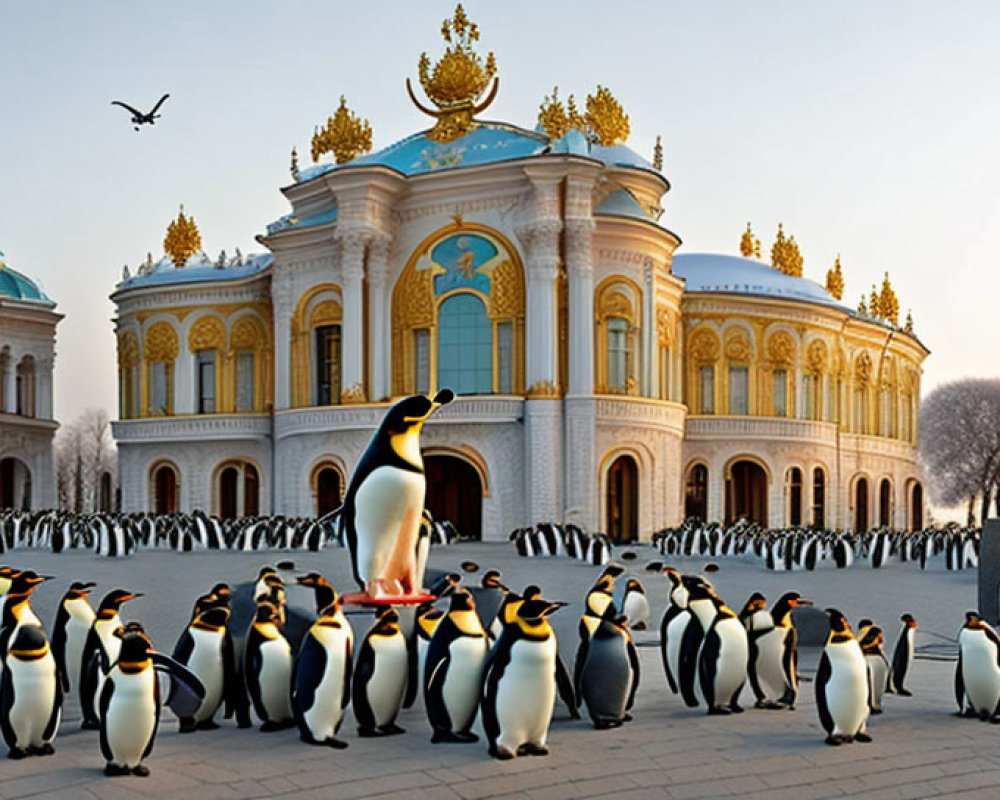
364, 599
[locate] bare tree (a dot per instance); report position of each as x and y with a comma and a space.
85, 450
960, 442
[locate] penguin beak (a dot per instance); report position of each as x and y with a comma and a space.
803, 602
133, 596
87, 587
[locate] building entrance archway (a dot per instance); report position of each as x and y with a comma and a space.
15, 484
455, 493
746, 493
861, 505
622, 500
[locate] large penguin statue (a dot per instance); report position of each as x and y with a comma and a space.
383, 508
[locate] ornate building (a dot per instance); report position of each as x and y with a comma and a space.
27, 345
602, 380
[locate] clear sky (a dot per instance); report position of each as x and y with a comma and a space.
869, 129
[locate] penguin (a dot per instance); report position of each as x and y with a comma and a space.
206, 648
519, 683
773, 663
17, 609
702, 606
31, 695
902, 656
267, 670
219, 596
129, 707
878, 666
380, 677
489, 598
635, 606
842, 685
595, 604
610, 673
69, 633
383, 507
672, 625
722, 662
453, 671
977, 674
323, 592
100, 651
322, 688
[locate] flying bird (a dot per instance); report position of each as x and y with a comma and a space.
138, 118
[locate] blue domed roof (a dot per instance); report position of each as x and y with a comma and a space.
199, 268
621, 203
20, 287
712, 272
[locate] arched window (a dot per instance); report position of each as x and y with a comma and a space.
328, 487
696, 493
740, 375
238, 490
619, 355
885, 503
15, 484
160, 352
128, 374
861, 522
26, 387
465, 345
916, 507
248, 344
165, 484
746, 493
458, 316
702, 354
207, 340
819, 498
793, 489
617, 307
316, 348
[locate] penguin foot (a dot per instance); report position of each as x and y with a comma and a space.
90, 725
627, 717
904, 692
335, 743
607, 724
876, 711
391, 730
208, 725
966, 714
993, 721
718, 711
44, 750
532, 749
187, 725
736, 709
369, 733
502, 753
834, 741
115, 770
142, 771
16, 754
458, 737
862, 737
769, 705
272, 725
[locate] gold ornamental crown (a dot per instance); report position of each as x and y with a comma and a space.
346, 135
457, 81
183, 239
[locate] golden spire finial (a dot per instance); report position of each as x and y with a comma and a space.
182, 240
862, 306
874, 307
835, 280
658, 155
552, 115
295, 166
908, 325
606, 118
457, 81
747, 243
888, 303
778, 249
346, 135
785, 254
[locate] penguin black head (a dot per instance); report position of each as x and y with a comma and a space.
266, 570
673, 575
266, 612
24, 583
113, 600
409, 414
78, 590
838, 622
135, 649
534, 611
971, 617
612, 570
461, 600
388, 618
445, 585
531, 592
633, 585
213, 618
864, 623
491, 580
755, 602
700, 591
908, 621
29, 643
313, 579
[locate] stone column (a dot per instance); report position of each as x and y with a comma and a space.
281, 301
353, 243
380, 355
10, 387
540, 236
43, 387
649, 383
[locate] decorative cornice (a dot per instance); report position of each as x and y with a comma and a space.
192, 428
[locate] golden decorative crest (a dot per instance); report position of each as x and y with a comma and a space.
888, 303
207, 333
863, 306
816, 355
457, 81
553, 117
738, 346
605, 121
749, 244
704, 346
785, 255
128, 349
874, 304
160, 342
835, 280
182, 240
781, 348
908, 325
353, 394
346, 135
543, 389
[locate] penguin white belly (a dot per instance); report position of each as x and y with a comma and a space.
34, 684
731, 669
131, 716
206, 663
423, 645
878, 672
387, 512
77, 630
324, 717
462, 683
847, 689
526, 694
112, 646
636, 609
275, 679
979, 671
770, 673
675, 634
388, 681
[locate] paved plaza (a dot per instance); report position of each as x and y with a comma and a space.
920, 748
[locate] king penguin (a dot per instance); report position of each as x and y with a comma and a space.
610, 675
902, 656
722, 662
635, 606
206, 648
69, 633
17, 610
130, 707
31, 695
267, 669
322, 688
453, 671
977, 674
878, 666
384, 504
519, 683
595, 604
426, 620
99, 652
672, 625
380, 677
842, 685
774, 656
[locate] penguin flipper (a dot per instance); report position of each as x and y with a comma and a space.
230, 678
104, 702
959, 683
823, 673
898, 672
308, 673
668, 617
565, 688
437, 711
633, 659
156, 713
57, 703
581, 660
708, 661
345, 696
186, 689
184, 648
412, 673
753, 655
6, 704
688, 664
493, 670
359, 690
58, 647
789, 665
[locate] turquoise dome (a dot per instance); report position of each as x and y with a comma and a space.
712, 272
19, 287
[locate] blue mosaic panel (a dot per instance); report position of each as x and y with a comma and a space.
462, 255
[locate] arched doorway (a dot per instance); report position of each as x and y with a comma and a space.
328, 488
239, 490
105, 494
746, 493
819, 498
917, 507
15, 484
455, 493
165, 489
885, 503
793, 488
696, 493
861, 505
622, 500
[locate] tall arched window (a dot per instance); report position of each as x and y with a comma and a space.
238, 489
250, 363
696, 493
26, 387
316, 348
793, 489
207, 340
327, 487
465, 345
861, 520
916, 507
128, 374
160, 352
165, 488
458, 316
885, 503
819, 498
702, 354
740, 375
617, 304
